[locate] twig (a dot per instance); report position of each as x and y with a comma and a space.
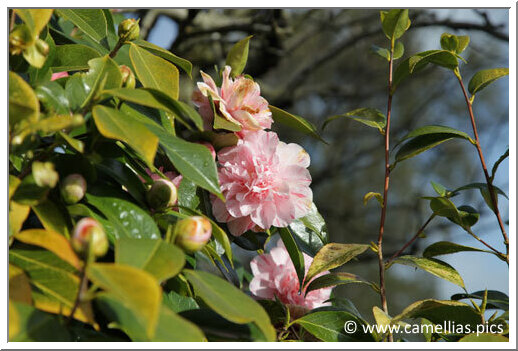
82, 287
119, 44
483, 163
419, 232
498, 253
385, 189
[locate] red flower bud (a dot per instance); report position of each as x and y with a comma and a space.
193, 233
89, 235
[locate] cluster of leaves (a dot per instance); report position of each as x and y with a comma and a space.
98, 123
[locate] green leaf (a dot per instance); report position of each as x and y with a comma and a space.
229, 301
403, 71
104, 73
484, 191
395, 23
134, 288
179, 303
295, 122
72, 142
399, 50
329, 326
498, 162
425, 138
331, 256
33, 54
192, 160
483, 78
333, 279
125, 176
484, 337
47, 272
155, 72
237, 56
161, 259
436, 267
441, 58
114, 125
368, 116
35, 325
440, 312
183, 330
495, 299
125, 219
370, 195
310, 231
35, 19
156, 99
52, 96
23, 103
449, 42
295, 254
382, 52
165, 54
30, 193
439, 188
73, 57
90, 21
52, 217
446, 248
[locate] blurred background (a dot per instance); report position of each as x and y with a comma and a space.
317, 63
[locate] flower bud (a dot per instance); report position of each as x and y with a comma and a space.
73, 188
89, 235
192, 233
44, 174
19, 39
129, 30
162, 195
128, 78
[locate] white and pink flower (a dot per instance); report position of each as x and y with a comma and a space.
275, 276
265, 182
238, 100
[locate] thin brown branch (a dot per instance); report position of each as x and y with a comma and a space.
484, 167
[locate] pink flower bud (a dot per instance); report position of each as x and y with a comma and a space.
193, 233
128, 78
73, 188
162, 195
89, 234
59, 75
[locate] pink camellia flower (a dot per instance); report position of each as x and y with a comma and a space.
265, 182
275, 276
238, 100
58, 75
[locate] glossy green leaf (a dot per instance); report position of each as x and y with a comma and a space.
163, 260
34, 55
454, 43
75, 144
126, 177
441, 311
368, 116
296, 255
382, 52
23, 102
399, 50
192, 160
483, 78
156, 99
52, 96
436, 267
446, 248
155, 72
495, 299
439, 188
134, 288
395, 23
182, 330
73, 57
482, 187
441, 58
126, 219
484, 337
331, 256
47, 272
333, 279
402, 71
90, 21
229, 301
295, 122
310, 231
238, 56
184, 64
35, 325
329, 326
115, 125
179, 303
425, 138
52, 217
35, 19
104, 73
30, 193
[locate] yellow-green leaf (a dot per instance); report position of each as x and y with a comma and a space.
483, 78
23, 103
35, 19
155, 72
237, 56
19, 285
52, 217
114, 125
